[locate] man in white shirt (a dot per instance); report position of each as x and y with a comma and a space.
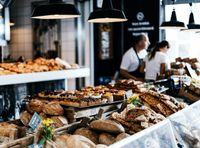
132, 59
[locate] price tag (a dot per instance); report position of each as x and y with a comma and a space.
129, 93
35, 121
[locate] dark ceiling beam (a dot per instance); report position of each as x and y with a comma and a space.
169, 2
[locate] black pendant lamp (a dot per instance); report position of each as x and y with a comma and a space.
191, 25
173, 23
55, 9
107, 14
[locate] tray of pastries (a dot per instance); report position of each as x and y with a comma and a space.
30, 66
87, 97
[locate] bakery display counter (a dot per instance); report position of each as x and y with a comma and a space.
126, 114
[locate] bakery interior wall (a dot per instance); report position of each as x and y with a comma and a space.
21, 43
112, 40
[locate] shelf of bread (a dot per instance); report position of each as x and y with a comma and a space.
43, 76
39, 70
179, 66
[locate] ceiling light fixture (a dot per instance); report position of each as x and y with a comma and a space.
107, 14
55, 9
191, 25
173, 23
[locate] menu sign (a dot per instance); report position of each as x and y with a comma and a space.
143, 17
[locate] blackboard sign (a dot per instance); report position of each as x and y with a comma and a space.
35, 121
143, 17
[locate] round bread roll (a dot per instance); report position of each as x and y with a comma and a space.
61, 141
88, 134
121, 136
107, 126
53, 109
76, 141
106, 139
35, 106
25, 118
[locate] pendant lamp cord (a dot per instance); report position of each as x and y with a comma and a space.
190, 3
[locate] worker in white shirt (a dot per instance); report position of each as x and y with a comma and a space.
132, 59
156, 63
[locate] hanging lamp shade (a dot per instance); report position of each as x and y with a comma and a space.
173, 23
55, 9
107, 14
192, 27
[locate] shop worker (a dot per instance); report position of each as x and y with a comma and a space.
156, 63
132, 59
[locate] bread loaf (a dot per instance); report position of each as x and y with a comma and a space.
35, 106
61, 141
107, 125
88, 134
77, 141
121, 136
25, 118
53, 109
106, 139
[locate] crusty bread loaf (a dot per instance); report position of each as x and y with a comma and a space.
35, 106
107, 125
121, 136
53, 109
106, 139
78, 141
86, 132
61, 141
25, 118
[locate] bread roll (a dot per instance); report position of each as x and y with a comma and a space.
88, 134
77, 141
107, 125
106, 139
53, 109
121, 136
25, 118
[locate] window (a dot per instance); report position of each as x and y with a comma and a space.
183, 44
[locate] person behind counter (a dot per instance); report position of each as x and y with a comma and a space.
156, 63
132, 59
